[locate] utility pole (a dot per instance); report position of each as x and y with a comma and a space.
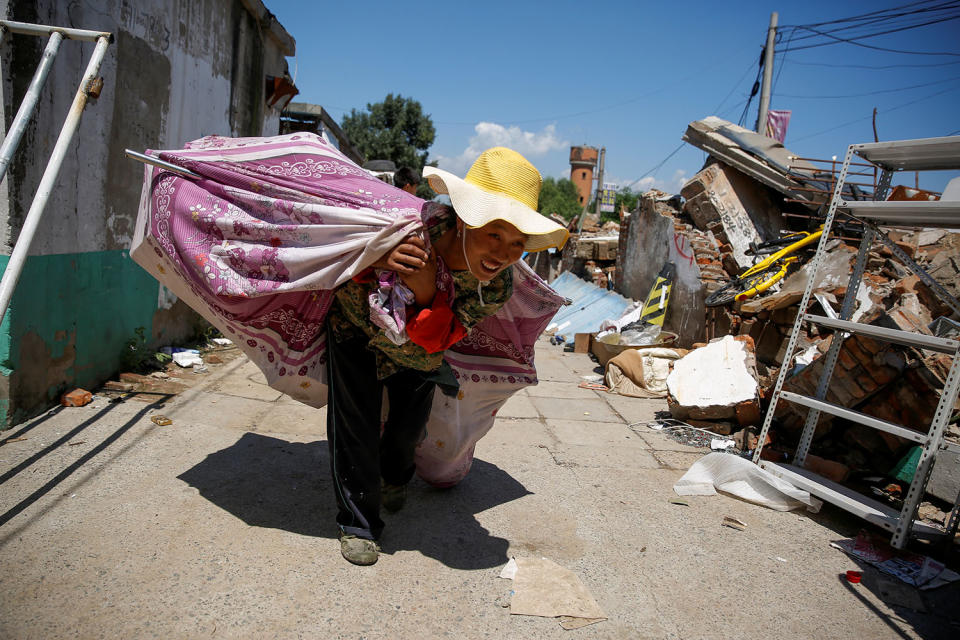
767, 76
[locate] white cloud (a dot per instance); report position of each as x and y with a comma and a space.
489, 134
671, 185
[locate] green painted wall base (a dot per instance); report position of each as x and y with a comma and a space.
69, 319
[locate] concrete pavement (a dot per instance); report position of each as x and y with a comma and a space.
221, 525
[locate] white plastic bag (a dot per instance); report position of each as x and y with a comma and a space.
743, 479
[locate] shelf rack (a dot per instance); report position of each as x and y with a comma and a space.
927, 154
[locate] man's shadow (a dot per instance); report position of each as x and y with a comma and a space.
269, 482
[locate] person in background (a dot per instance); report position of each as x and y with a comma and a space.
407, 179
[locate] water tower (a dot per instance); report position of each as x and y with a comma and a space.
583, 160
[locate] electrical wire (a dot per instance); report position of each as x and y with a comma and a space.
854, 42
656, 167
846, 124
874, 67
870, 93
877, 21
736, 84
882, 13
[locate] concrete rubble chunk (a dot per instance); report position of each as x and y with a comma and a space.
710, 382
742, 206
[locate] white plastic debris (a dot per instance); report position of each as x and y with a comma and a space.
743, 479
187, 359
720, 444
221, 342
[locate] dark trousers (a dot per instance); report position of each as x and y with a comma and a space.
359, 454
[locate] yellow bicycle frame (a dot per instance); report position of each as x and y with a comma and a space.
784, 256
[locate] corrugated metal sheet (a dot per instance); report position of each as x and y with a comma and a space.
591, 306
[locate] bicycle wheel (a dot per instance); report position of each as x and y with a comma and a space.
763, 280
724, 294
728, 292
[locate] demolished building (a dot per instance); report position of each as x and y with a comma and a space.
751, 191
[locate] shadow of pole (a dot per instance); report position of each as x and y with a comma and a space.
75, 465
59, 442
38, 420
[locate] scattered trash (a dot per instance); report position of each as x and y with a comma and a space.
733, 523
685, 433
119, 398
853, 577
718, 444
200, 368
75, 443
161, 420
172, 350
160, 375
221, 342
679, 501
745, 480
596, 386
544, 588
187, 358
20, 439
914, 569
76, 398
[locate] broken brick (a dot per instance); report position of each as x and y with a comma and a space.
76, 398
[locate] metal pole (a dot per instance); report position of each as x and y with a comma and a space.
19, 255
163, 164
27, 29
767, 76
25, 112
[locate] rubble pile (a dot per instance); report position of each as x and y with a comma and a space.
750, 195
897, 384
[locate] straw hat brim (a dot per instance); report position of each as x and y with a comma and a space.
477, 207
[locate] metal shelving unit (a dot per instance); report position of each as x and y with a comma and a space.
904, 155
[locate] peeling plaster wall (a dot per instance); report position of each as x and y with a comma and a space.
176, 71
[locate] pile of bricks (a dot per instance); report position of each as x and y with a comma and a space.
898, 384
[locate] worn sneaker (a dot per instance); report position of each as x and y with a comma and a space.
359, 551
393, 496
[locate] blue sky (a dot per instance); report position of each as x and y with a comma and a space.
628, 76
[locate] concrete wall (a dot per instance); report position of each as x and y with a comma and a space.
177, 70
647, 243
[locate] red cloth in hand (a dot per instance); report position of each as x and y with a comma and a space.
436, 329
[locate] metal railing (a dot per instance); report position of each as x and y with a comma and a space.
89, 87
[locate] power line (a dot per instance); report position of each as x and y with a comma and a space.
873, 20
854, 42
870, 93
899, 106
736, 84
874, 14
656, 167
875, 67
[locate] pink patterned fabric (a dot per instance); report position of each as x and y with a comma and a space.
258, 242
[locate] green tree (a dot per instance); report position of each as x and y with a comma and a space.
560, 197
396, 129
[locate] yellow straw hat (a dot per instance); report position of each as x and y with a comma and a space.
501, 185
